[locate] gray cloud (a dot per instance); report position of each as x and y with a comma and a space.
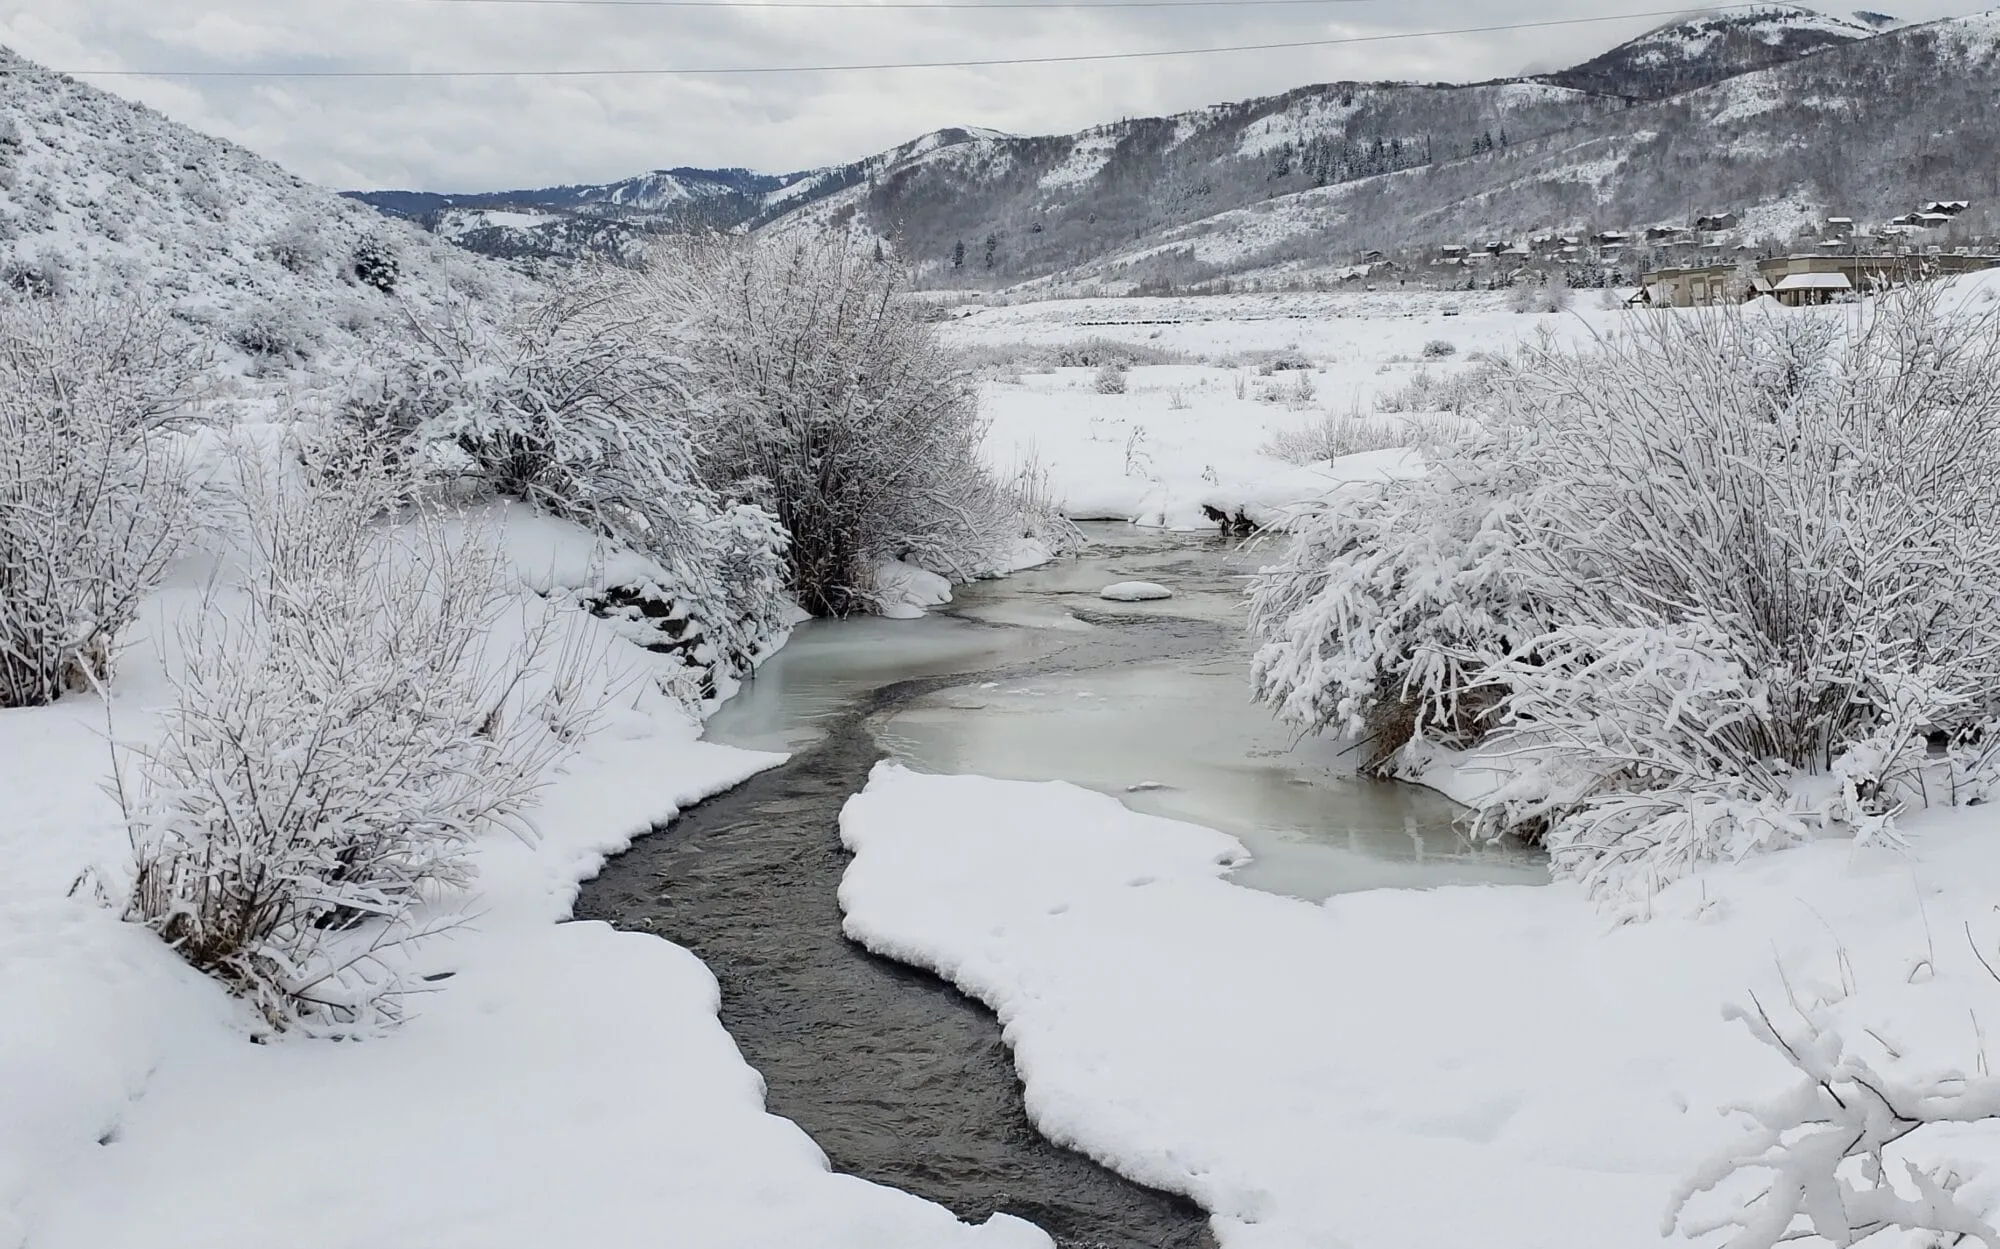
475, 134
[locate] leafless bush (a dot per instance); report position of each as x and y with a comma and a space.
1549, 292
1338, 434
583, 406
1381, 616
1013, 359
825, 399
1775, 554
1439, 349
348, 720
1454, 391
1689, 569
96, 497
1110, 380
1042, 516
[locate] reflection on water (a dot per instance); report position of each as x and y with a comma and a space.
1148, 702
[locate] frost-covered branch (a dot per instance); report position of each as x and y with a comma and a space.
1822, 1159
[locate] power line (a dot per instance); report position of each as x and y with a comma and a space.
988, 63
862, 6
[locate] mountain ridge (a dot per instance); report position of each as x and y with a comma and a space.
977, 207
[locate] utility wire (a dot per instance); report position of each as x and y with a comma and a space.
988, 63
862, 6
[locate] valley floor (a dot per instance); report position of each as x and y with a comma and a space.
1497, 1066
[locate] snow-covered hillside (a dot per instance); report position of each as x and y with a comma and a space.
100, 194
1684, 55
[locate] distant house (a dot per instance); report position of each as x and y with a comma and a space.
1796, 289
1611, 238
1714, 223
1839, 227
1802, 280
1453, 251
1687, 287
1945, 207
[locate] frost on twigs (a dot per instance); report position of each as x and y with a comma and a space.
96, 496
1706, 586
824, 397
580, 404
348, 719
1828, 1160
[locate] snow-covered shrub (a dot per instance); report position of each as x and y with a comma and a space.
298, 247
580, 405
1041, 511
824, 397
275, 333
1716, 582
1454, 391
1110, 380
1010, 360
1439, 349
1388, 605
1336, 434
1766, 555
43, 278
96, 499
1830, 1158
1544, 293
374, 263
347, 721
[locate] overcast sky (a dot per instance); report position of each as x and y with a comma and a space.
507, 133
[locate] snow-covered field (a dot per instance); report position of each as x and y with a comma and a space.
1485, 1066
563, 1084
1505, 1068
1193, 433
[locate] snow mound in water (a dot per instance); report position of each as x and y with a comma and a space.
903, 590
1135, 592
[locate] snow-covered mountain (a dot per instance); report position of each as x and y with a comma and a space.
1687, 55
1868, 130
1793, 114
706, 197
100, 194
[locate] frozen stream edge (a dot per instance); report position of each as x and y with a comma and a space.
896, 1075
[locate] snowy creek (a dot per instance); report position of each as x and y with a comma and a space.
898, 1077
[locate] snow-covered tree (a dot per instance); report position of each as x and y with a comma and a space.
582, 404
827, 399
96, 497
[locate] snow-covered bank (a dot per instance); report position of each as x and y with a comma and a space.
556, 1083
1430, 1070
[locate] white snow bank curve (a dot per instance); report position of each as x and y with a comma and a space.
1469, 1066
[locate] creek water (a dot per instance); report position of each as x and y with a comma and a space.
898, 1077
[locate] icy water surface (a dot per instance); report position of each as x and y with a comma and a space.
1094, 699
897, 1076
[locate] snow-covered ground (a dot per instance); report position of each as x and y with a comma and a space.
1192, 433
563, 1084
1466, 1066
1483, 1066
